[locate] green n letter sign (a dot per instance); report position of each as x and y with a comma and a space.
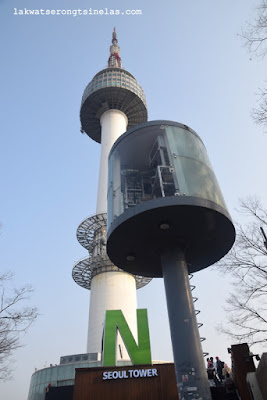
139, 354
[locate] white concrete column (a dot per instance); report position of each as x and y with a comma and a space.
113, 125
111, 291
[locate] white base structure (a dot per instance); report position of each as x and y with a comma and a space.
111, 291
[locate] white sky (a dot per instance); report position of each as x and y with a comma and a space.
190, 61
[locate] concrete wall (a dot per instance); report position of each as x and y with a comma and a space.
261, 375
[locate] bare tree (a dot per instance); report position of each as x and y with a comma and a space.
247, 262
255, 33
260, 114
15, 319
255, 38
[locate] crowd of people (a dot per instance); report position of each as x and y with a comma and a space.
219, 375
217, 369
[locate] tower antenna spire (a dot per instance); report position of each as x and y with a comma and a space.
114, 36
114, 60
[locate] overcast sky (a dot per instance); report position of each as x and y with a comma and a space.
192, 65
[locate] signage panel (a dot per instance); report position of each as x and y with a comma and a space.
139, 353
131, 373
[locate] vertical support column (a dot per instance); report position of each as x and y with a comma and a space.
191, 375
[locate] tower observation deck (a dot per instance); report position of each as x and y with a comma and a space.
112, 103
112, 88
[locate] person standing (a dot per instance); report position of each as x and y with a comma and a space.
219, 368
210, 368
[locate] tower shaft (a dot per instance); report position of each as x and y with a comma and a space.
110, 290
113, 125
114, 290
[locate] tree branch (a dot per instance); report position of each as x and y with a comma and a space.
14, 320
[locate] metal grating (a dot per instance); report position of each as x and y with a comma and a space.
86, 229
85, 269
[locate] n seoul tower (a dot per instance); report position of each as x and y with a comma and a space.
112, 103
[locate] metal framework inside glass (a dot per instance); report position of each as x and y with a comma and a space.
159, 160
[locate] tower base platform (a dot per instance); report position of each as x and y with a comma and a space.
81, 377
